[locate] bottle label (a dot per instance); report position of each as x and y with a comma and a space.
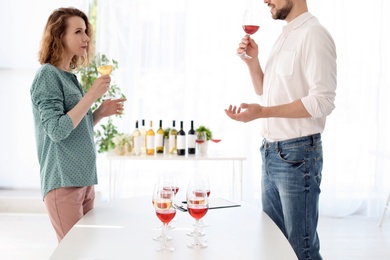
150, 142
159, 140
172, 142
191, 141
181, 142
137, 144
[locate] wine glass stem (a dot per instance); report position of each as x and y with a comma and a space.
164, 235
196, 233
197, 227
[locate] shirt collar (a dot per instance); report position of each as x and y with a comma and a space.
298, 21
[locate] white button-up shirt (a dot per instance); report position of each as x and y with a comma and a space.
302, 65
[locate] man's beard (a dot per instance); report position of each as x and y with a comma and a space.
281, 14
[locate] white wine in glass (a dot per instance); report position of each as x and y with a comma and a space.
104, 67
251, 24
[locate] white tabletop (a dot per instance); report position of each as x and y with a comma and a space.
123, 229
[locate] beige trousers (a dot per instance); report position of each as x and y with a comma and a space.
67, 205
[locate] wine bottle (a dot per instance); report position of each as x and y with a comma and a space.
143, 137
160, 139
150, 140
181, 141
173, 139
136, 140
191, 139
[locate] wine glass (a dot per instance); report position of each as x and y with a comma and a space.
169, 183
250, 23
162, 198
163, 205
201, 140
197, 206
215, 139
104, 67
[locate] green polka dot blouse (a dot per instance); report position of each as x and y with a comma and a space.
67, 155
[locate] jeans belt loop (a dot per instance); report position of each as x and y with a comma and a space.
267, 145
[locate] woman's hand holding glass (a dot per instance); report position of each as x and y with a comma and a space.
100, 87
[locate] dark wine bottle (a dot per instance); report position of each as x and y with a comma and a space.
191, 139
181, 141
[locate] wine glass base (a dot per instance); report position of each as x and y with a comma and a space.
165, 249
195, 233
197, 245
244, 55
160, 237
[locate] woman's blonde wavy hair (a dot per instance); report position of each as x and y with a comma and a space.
52, 49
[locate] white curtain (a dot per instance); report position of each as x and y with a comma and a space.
177, 62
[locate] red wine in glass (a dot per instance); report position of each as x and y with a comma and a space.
197, 211
166, 215
174, 189
198, 194
250, 29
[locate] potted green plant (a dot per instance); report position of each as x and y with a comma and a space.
106, 130
205, 130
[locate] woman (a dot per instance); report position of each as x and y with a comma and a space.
64, 121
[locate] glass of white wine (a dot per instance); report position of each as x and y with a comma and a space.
104, 67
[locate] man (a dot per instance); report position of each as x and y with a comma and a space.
298, 92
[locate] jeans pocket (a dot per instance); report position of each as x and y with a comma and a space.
295, 157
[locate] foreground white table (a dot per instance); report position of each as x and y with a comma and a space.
123, 229
237, 167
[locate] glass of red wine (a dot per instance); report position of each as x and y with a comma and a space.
201, 141
250, 23
170, 184
197, 206
215, 139
165, 211
162, 198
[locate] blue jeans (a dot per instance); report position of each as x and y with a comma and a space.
291, 177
